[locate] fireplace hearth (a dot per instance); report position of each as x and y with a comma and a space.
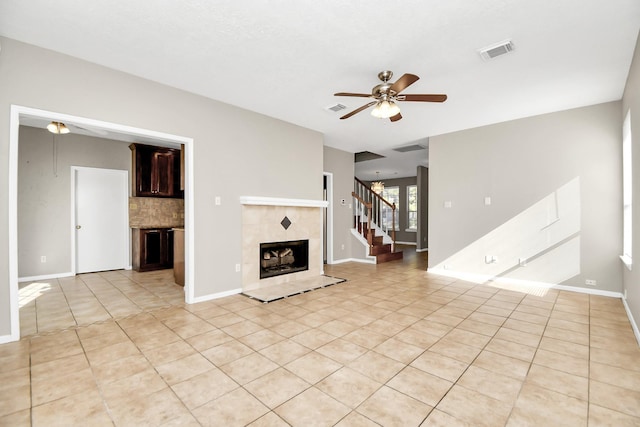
278, 258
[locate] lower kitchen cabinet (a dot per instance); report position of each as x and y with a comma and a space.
152, 248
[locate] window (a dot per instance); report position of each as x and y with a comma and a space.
626, 191
412, 207
391, 195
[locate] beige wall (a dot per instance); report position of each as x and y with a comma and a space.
631, 101
237, 152
44, 193
340, 164
520, 164
422, 240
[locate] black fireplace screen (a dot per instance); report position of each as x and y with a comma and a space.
278, 258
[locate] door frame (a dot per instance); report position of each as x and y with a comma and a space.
18, 112
329, 208
74, 235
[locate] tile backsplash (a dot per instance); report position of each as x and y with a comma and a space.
151, 212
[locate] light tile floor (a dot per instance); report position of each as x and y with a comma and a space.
392, 346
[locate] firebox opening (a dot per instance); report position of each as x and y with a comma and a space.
278, 258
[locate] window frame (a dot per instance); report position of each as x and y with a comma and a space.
386, 208
409, 228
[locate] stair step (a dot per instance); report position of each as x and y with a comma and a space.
380, 249
390, 256
377, 240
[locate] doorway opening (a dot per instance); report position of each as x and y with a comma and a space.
25, 115
327, 218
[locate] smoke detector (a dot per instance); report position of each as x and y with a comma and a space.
497, 49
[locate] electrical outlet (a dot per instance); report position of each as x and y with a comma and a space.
342, 247
43, 258
237, 268
218, 201
625, 294
590, 282
175, 215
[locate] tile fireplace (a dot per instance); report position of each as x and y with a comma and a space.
272, 229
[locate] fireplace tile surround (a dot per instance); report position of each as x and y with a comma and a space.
261, 223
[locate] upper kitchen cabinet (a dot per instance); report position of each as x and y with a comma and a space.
156, 171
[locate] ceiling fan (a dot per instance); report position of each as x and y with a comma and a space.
386, 94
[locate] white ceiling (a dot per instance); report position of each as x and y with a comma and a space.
287, 58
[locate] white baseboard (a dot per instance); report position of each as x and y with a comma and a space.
45, 277
363, 261
406, 243
634, 325
216, 296
422, 250
8, 338
589, 291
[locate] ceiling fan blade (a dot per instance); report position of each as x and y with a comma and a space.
396, 117
423, 98
404, 82
356, 111
360, 95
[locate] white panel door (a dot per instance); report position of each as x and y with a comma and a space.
102, 219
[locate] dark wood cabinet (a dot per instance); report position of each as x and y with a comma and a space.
156, 171
152, 248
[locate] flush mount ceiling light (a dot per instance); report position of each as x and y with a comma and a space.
377, 186
57, 128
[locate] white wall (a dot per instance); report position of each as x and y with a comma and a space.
44, 193
525, 165
237, 152
631, 101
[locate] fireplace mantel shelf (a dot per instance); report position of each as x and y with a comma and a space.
276, 201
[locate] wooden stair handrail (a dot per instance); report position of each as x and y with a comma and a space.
391, 205
361, 200
369, 205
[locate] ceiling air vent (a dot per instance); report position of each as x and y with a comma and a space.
335, 108
406, 148
497, 49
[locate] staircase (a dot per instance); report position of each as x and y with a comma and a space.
371, 214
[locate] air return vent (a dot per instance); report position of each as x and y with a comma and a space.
490, 52
335, 108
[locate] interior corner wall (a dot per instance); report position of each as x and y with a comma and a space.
631, 102
519, 164
341, 165
236, 152
422, 238
44, 193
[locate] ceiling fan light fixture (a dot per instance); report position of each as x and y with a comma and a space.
57, 128
385, 109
